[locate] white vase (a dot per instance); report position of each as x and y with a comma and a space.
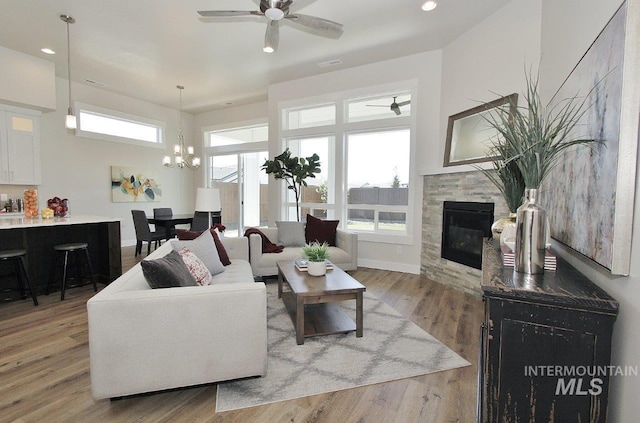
317, 268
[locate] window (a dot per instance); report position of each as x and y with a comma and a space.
111, 125
234, 156
238, 136
378, 181
379, 108
365, 150
314, 198
310, 117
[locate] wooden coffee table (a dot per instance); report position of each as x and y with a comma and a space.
309, 301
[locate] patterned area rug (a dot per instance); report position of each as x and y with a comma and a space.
392, 348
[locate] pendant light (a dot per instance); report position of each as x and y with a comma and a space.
183, 157
70, 121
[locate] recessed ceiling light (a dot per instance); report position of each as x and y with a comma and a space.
48, 51
429, 5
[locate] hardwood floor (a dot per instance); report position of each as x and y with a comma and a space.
44, 366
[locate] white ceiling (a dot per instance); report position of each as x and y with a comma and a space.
144, 48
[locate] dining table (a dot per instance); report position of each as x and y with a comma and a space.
169, 222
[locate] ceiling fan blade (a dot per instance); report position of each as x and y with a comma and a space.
272, 36
326, 27
404, 103
376, 105
226, 13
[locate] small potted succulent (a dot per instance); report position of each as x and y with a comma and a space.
317, 255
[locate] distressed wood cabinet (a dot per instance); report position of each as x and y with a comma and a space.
545, 344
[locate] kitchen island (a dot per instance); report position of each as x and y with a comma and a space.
38, 236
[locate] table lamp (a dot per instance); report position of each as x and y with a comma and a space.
208, 200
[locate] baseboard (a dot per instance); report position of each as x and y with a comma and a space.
127, 242
386, 265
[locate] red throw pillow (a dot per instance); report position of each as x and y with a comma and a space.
321, 230
185, 235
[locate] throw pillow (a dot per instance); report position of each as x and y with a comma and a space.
185, 235
321, 230
290, 234
222, 252
203, 247
196, 267
166, 272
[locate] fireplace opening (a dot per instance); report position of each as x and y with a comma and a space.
464, 224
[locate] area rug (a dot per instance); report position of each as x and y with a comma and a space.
392, 348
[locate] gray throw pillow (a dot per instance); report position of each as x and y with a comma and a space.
166, 272
290, 234
205, 249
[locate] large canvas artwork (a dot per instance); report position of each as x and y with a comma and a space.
129, 184
589, 195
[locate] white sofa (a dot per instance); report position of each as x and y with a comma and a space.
344, 254
145, 340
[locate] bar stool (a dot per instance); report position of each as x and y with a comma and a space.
18, 256
76, 249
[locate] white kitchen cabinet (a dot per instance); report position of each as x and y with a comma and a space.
19, 147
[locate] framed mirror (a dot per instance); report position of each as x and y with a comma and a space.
469, 132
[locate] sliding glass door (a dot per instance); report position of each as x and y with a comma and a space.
243, 189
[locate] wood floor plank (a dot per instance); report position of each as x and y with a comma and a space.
44, 366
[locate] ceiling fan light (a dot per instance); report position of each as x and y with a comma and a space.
274, 13
429, 5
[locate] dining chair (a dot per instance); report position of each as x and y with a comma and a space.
144, 233
164, 212
200, 221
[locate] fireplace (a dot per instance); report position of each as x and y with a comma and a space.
464, 224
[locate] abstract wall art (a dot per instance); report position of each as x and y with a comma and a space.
130, 184
589, 196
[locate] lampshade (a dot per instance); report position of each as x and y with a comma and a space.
208, 200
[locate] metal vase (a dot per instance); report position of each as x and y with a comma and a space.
530, 235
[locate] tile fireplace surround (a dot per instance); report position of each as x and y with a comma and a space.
463, 186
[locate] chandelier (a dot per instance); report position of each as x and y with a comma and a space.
183, 157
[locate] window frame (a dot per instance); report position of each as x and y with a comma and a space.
340, 131
122, 116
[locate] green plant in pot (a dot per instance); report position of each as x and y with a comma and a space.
535, 137
317, 255
294, 171
506, 176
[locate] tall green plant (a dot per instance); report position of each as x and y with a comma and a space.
535, 137
294, 171
505, 175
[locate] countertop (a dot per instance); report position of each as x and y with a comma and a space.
13, 222
564, 287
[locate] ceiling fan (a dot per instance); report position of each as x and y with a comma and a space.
395, 106
274, 11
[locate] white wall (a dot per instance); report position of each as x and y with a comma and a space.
231, 115
562, 47
27, 81
425, 68
485, 63
79, 168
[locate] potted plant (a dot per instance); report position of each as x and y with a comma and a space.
534, 138
294, 171
506, 176
317, 255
